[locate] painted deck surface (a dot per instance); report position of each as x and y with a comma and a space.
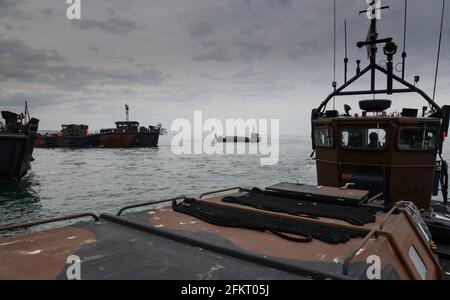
163, 244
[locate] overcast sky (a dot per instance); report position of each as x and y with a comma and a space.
228, 58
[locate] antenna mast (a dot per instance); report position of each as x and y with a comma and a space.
334, 58
346, 52
439, 51
389, 49
127, 111
404, 41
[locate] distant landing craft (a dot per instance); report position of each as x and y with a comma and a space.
17, 137
254, 138
127, 134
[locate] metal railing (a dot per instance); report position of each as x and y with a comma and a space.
349, 258
221, 191
48, 221
120, 212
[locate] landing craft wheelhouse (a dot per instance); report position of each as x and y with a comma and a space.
393, 155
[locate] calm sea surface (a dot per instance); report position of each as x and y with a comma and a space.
65, 181
104, 180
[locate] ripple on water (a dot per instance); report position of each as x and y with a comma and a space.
104, 180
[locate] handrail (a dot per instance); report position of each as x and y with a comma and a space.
47, 221
220, 191
352, 254
373, 165
119, 213
378, 196
411, 88
386, 217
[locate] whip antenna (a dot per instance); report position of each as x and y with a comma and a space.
439, 50
334, 58
346, 53
404, 40
127, 112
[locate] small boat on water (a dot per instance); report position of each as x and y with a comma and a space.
17, 137
127, 134
254, 138
370, 217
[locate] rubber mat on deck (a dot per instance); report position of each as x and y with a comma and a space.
284, 227
356, 215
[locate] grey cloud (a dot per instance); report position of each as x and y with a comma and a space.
305, 48
133, 77
250, 49
8, 26
24, 64
12, 9
251, 29
18, 61
246, 73
72, 78
111, 11
48, 12
201, 28
8, 7
119, 59
262, 50
255, 85
241, 49
112, 25
210, 77
8, 4
217, 54
18, 99
120, 7
94, 48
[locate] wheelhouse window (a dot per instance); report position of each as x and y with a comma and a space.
418, 138
418, 262
323, 137
363, 138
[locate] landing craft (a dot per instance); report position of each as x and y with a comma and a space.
359, 223
17, 138
254, 138
127, 134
